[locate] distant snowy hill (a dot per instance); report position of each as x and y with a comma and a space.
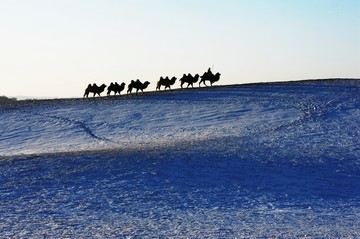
300, 115
263, 160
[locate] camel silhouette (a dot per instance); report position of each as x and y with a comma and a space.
209, 76
189, 79
94, 89
116, 88
138, 85
165, 82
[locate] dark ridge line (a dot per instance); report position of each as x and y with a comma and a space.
176, 90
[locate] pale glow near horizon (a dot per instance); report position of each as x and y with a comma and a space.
56, 48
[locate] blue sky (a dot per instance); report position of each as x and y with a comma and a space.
55, 48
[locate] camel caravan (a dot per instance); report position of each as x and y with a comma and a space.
141, 86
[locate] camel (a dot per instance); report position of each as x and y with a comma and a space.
209, 76
165, 82
116, 88
94, 89
138, 85
189, 79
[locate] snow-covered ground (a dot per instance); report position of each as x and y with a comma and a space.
255, 161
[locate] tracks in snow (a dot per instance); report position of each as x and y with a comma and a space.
79, 124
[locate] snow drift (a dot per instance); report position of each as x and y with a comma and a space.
262, 160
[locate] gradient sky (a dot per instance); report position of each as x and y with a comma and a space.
56, 48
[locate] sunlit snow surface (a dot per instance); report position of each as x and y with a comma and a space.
258, 161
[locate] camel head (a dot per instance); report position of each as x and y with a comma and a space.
217, 76
173, 79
